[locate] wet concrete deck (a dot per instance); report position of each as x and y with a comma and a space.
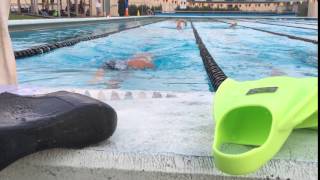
160, 135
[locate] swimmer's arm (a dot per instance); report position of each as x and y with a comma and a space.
98, 77
8, 75
151, 66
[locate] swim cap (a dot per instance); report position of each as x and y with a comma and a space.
109, 65
116, 65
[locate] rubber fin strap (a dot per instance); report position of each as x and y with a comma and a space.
37, 50
215, 73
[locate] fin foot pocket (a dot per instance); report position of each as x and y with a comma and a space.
255, 118
246, 125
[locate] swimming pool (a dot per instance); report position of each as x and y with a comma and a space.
221, 13
243, 53
173, 52
306, 33
26, 39
246, 54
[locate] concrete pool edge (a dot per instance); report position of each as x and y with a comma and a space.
21, 25
91, 164
71, 20
104, 161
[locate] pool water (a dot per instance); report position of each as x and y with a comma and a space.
305, 33
242, 53
246, 54
298, 21
23, 40
309, 25
175, 54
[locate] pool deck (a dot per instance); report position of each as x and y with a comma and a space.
160, 135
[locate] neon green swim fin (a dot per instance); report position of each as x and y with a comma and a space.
261, 114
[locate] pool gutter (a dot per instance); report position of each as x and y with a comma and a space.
36, 24
234, 17
40, 24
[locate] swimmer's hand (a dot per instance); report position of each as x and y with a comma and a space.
98, 77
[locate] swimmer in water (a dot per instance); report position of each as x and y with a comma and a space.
233, 24
137, 62
141, 61
181, 23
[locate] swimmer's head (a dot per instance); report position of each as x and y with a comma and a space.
116, 65
110, 65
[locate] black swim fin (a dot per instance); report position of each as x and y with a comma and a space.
58, 120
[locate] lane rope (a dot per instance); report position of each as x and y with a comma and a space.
275, 33
275, 24
214, 72
45, 48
